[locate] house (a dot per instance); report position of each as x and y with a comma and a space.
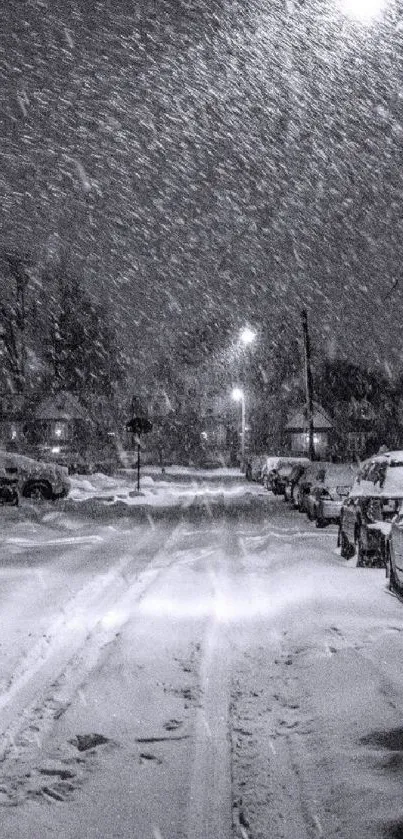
12, 421
58, 425
297, 431
359, 424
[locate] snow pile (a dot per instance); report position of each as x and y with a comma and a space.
158, 490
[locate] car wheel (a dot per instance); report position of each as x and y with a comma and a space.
38, 491
388, 568
345, 547
381, 556
390, 574
320, 522
392, 579
361, 554
9, 495
15, 499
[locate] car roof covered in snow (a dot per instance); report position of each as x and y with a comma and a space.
393, 458
286, 465
283, 460
337, 474
21, 461
380, 476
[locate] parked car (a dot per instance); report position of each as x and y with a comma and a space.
34, 478
270, 464
8, 491
277, 478
367, 513
254, 467
327, 493
394, 554
313, 473
296, 473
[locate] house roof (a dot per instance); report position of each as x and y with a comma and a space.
298, 420
61, 406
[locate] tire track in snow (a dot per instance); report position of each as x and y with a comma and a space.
271, 795
51, 672
210, 790
210, 813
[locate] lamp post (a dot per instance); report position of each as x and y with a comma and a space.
247, 336
363, 11
239, 396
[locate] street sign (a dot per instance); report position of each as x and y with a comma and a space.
139, 425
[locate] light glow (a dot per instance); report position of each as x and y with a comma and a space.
362, 10
315, 437
237, 394
113, 618
247, 335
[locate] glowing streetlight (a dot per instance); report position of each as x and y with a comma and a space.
239, 396
362, 10
247, 335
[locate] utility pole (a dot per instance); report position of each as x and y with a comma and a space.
308, 385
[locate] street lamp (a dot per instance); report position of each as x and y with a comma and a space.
247, 335
239, 396
362, 10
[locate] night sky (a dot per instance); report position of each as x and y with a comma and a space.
211, 161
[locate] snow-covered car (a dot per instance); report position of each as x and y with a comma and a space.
254, 467
34, 478
277, 478
367, 513
296, 473
270, 464
8, 491
327, 493
313, 473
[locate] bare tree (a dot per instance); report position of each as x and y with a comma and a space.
13, 319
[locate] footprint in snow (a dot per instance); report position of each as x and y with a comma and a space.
148, 756
172, 725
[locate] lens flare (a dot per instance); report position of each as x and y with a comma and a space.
362, 10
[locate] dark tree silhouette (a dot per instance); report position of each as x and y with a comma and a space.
14, 268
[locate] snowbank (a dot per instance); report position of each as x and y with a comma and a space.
156, 491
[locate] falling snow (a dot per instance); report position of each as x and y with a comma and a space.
246, 160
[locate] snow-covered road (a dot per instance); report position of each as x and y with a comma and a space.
204, 676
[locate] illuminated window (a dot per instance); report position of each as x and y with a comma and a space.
59, 430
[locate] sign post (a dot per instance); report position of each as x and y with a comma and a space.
138, 426
308, 385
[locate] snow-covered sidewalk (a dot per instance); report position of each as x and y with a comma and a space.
156, 487
176, 489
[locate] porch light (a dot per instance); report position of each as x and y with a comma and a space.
315, 438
